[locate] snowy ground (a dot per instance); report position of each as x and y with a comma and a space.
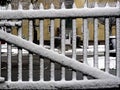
14, 50
101, 62
79, 51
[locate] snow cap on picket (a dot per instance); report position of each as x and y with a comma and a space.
63, 5
52, 6
118, 4
9, 7
74, 5
107, 5
41, 6
85, 5
31, 6
20, 7
96, 5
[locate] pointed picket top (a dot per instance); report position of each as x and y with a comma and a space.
118, 4
107, 5
63, 6
20, 7
52, 6
85, 5
41, 6
9, 7
31, 6
96, 5
74, 5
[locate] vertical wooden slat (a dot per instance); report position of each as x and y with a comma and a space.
19, 57
0, 53
31, 40
74, 44
30, 66
85, 41
20, 49
30, 54
9, 55
118, 46
63, 44
52, 48
41, 33
118, 42
63, 32
63, 36
96, 42
74, 39
52, 35
107, 62
0, 57
41, 43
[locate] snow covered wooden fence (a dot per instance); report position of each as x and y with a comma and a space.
99, 78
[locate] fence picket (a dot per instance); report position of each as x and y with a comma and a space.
30, 53
96, 42
0, 57
20, 56
42, 44
9, 55
52, 42
118, 46
63, 44
107, 62
74, 44
20, 49
41, 40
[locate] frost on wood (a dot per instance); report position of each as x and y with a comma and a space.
54, 13
61, 59
82, 84
106, 80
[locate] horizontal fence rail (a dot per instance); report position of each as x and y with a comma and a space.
50, 60
61, 13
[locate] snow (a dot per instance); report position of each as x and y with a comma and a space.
79, 51
52, 13
107, 79
82, 84
101, 62
9, 23
55, 57
14, 50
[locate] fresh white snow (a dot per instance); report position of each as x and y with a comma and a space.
101, 62
14, 50
79, 51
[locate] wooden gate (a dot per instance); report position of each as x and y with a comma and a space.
92, 77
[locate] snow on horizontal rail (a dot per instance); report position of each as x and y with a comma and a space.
81, 84
54, 56
60, 13
10, 23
